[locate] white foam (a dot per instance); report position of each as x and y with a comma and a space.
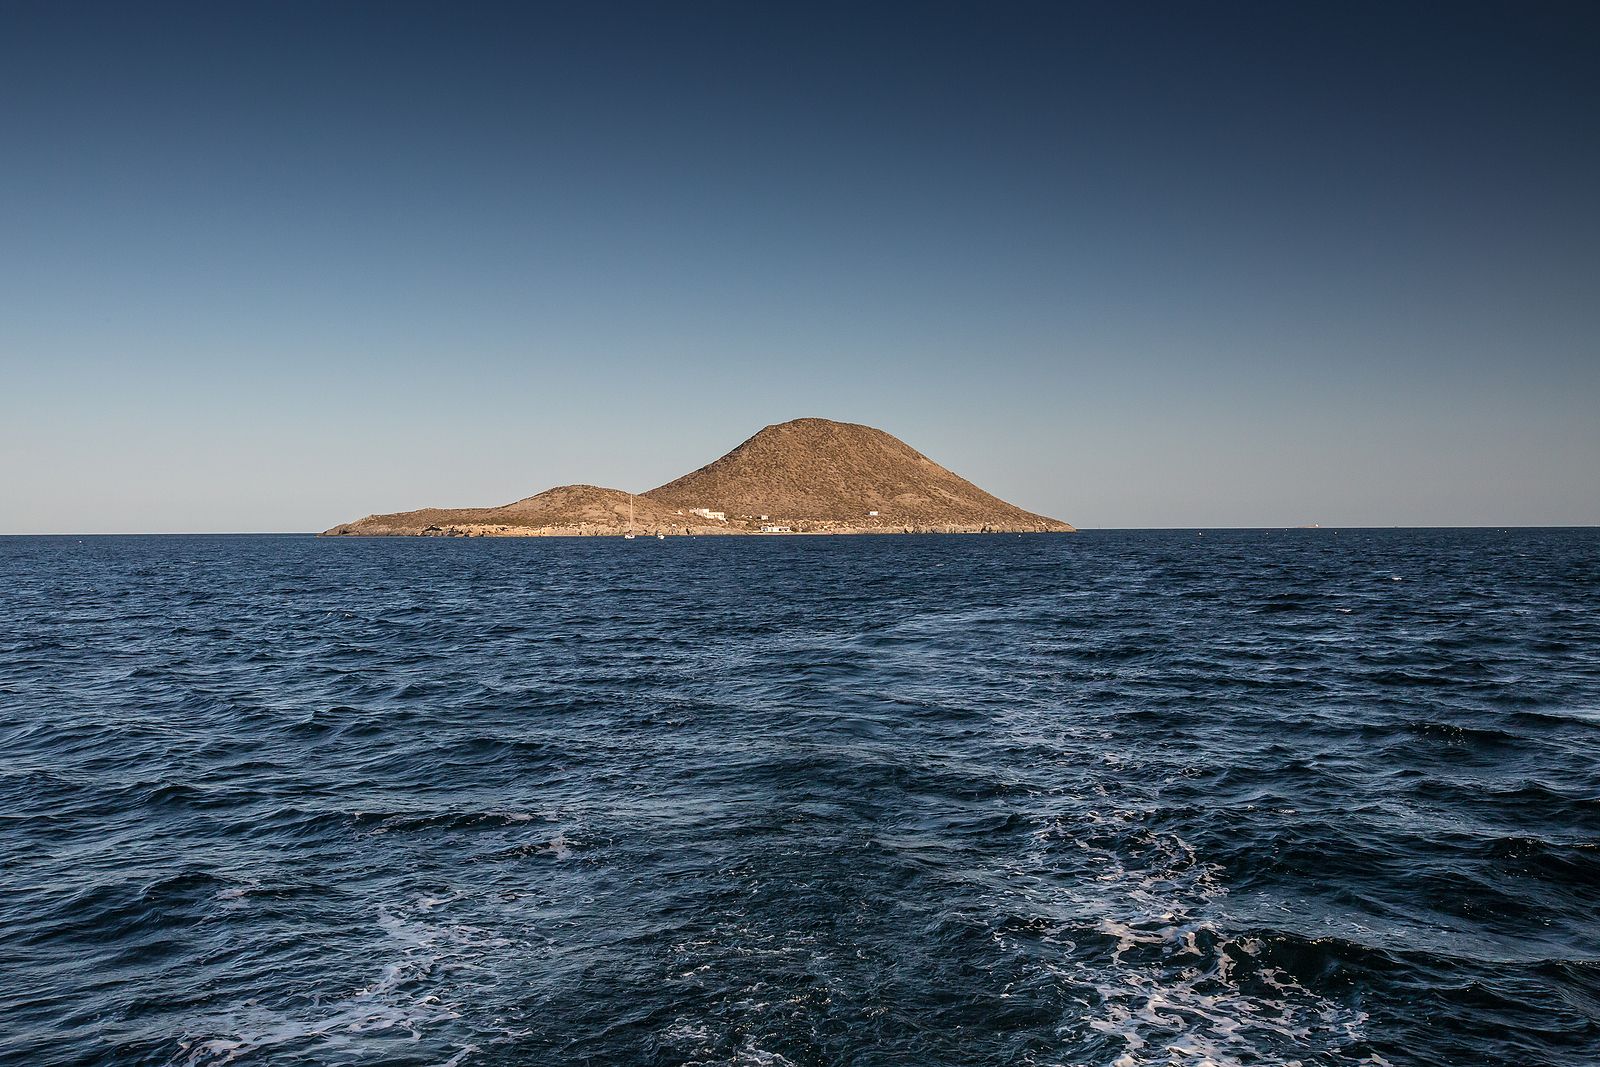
409, 995
1168, 985
557, 847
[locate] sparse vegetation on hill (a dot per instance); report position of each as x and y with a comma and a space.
804, 476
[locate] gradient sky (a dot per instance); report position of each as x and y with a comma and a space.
276, 266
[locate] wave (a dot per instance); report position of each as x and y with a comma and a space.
1165, 980
417, 990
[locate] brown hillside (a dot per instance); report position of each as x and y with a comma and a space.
566, 509
818, 471
568, 504
805, 476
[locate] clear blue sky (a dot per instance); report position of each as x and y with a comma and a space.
275, 266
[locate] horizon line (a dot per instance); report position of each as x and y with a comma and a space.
1077, 529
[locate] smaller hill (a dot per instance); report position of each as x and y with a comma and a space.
566, 510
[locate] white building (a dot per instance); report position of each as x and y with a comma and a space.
705, 513
776, 529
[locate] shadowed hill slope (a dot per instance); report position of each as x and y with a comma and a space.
805, 476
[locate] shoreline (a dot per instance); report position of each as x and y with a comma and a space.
484, 530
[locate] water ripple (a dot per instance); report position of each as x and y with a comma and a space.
1315, 797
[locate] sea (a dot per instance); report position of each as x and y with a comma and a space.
1197, 797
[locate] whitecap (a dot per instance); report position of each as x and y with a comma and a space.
1170, 983
411, 994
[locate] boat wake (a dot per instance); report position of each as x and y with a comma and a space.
1140, 939
417, 991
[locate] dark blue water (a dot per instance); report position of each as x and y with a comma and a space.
1113, 798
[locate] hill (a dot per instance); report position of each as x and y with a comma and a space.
820, 474
566, 510
804, 476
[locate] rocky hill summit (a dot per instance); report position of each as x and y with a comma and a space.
804, 476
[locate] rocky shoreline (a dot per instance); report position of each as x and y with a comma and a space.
364, 529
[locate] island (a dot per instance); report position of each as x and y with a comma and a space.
807, 476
